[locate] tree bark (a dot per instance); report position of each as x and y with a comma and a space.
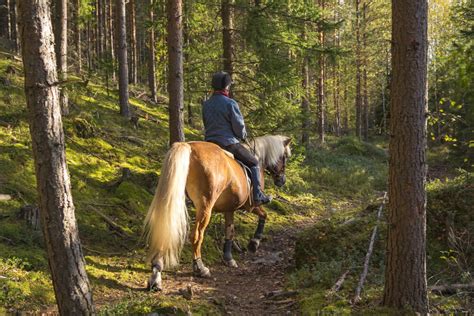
365, 106
15, 37
337, 70
365, 97
122, 58
337, 106
151, 53
405, 273
5, 30
66, 262
133, 43
110, 36
345, 119
77, 35
89, 51
358, 98
305, 103
60, 34
321, 96
227, 36
174, 10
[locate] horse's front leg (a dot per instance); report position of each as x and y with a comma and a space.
229, 239
254, 243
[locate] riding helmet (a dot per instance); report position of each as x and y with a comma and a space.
220, 80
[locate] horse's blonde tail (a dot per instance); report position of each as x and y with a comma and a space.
166, 223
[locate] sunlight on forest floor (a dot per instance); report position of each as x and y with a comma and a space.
339, 184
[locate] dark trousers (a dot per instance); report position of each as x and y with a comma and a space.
242, 154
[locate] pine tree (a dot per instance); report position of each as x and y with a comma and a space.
405, 273
66, 262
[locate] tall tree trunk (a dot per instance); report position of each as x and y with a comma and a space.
305, 103
110, 37
122, 58
77, 35
96, 41
345, 120
336, 99
15, 37
365, 97
5, 30
174, 10
133, 43
321, 96
227, 36
100, 29
60, 34
66, 262
405, 273
89, 47
337, 70
365, 108
151, 53
358, 98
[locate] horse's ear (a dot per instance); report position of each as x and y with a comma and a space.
287, 141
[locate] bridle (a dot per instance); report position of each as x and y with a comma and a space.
274, 171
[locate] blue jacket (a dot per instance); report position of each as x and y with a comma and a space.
223, 121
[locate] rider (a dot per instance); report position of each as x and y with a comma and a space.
224, 126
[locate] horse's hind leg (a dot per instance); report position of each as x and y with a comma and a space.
229, 239
203, 216
154, 282
254, 243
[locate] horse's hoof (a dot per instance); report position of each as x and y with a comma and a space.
204, 272
254, 243
231, 263
154, 287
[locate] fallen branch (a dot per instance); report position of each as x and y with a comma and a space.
8, 240
369, 253
114, 227
450, 289
133, 140
337, 286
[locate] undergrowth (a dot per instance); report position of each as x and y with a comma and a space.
339, 241
339, 183
102, 147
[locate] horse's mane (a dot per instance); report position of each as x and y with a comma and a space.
270, 148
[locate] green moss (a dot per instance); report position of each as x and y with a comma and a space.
137, 197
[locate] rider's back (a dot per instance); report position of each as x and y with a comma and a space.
222, 120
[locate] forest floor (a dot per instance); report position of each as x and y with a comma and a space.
257, 287
318, 225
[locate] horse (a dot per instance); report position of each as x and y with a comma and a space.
214, 181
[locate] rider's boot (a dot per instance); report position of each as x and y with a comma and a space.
259, 197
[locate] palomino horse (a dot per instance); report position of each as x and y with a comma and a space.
214, 181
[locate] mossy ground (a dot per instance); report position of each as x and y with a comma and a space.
339, 241
338, 183
100, 143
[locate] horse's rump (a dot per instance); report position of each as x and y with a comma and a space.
214, 175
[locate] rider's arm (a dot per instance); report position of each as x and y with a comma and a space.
237, 121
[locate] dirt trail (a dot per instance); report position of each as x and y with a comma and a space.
256, 287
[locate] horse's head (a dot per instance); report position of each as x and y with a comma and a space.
277, 168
